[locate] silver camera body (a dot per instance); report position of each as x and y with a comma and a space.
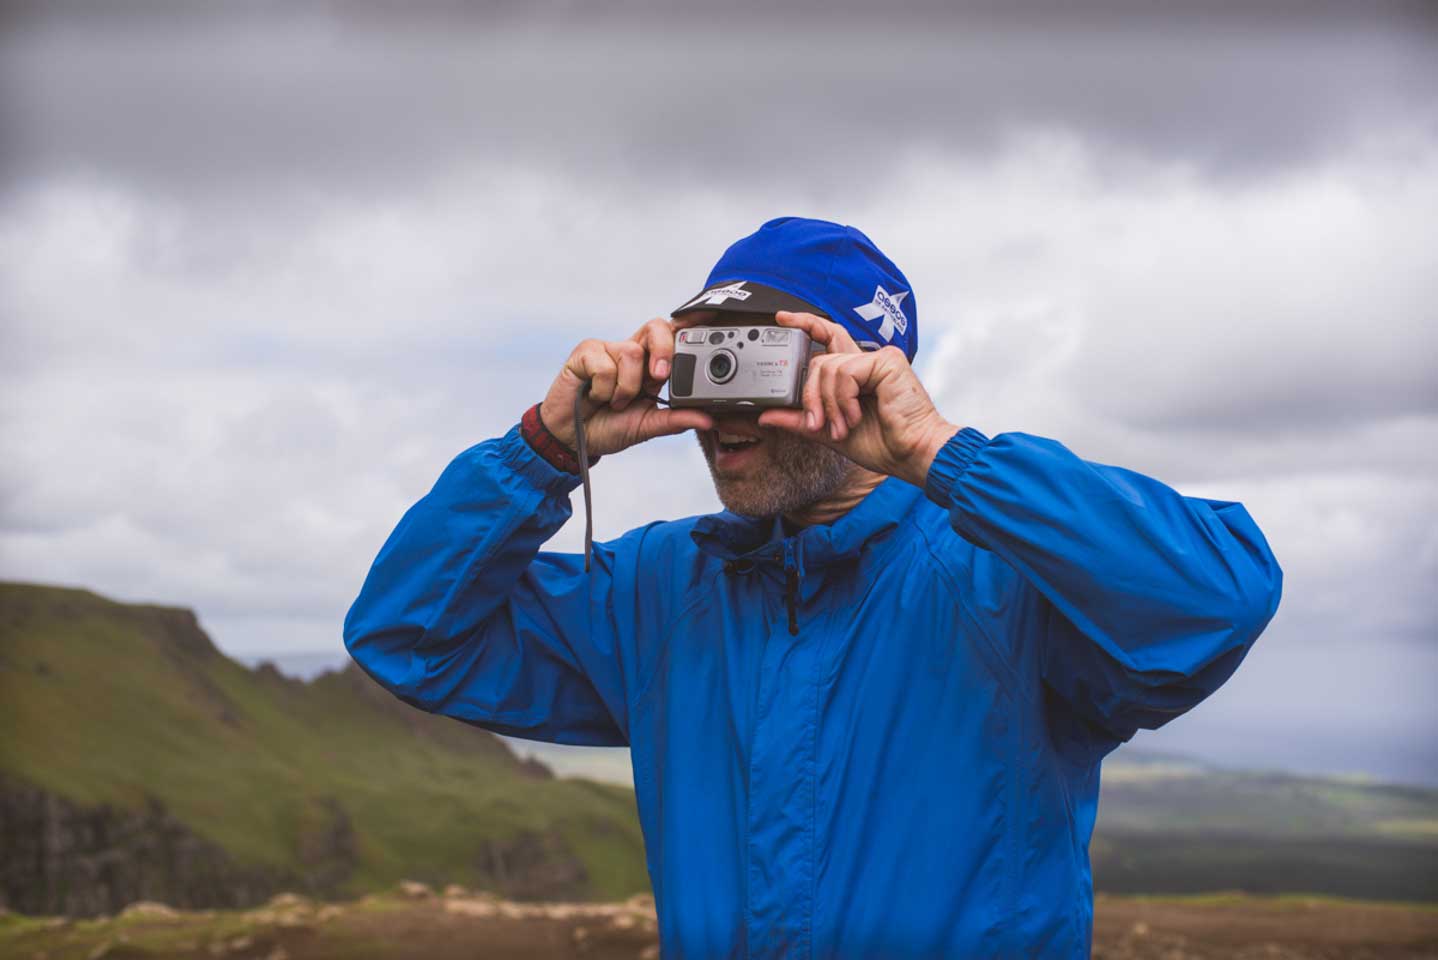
740, 366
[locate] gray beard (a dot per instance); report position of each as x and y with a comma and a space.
800, 474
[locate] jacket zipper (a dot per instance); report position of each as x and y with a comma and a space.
791, 587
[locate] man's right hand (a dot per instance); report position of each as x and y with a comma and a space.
616, 416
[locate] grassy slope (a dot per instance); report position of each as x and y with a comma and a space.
1165, 797
104, 702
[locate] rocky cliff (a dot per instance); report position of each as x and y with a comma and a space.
140, 763
61, 858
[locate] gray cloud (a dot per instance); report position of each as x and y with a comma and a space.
326, 98
262, 276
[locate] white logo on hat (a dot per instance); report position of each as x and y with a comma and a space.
886, 305
718, 295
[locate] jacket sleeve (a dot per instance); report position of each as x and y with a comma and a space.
462, 615
1147, 600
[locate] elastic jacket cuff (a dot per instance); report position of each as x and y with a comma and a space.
547, 445
950, 463
518, 456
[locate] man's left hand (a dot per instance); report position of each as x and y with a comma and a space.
870, 407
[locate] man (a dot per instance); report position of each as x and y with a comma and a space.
867, 704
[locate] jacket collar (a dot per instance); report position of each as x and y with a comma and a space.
732, 536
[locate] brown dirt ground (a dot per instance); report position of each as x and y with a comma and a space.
1238, 927
461, 925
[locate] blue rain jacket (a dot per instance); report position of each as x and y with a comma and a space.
877, 738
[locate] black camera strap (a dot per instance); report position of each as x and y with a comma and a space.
581, 442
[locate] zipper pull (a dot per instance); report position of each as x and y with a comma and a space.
791, 586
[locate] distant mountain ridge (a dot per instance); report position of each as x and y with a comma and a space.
1172, 824
139, 762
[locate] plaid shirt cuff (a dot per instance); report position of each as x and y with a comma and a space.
547, 445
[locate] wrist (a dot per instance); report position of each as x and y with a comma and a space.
558, 425
936, 435
544, 442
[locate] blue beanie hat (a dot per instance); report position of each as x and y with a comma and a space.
814, 266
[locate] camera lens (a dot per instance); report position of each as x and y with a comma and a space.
721, 366
716, 338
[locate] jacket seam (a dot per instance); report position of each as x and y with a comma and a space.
641, 772
1023, 761
1014, 775
1011, 670
822, 679
640, 698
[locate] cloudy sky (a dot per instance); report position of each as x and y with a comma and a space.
265, 268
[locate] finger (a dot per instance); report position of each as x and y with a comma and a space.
663, 423
629, 358
883, 363
811, 401
657, 339
834, 337
832, 415
792, 421
846, 392
591, 361
840, 391
785, 418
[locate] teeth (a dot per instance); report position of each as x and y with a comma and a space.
732, 438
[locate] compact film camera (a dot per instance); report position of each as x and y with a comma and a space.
740, 366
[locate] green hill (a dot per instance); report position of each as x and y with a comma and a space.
138, 762
127, 734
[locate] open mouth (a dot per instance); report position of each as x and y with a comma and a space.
733, 451
734, 442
